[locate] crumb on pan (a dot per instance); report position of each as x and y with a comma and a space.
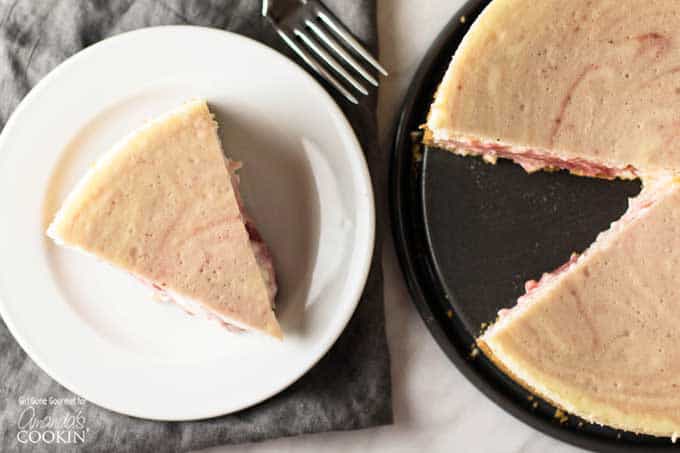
561, 416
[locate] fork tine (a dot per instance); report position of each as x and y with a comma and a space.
350, 40
307, 58
337, 48
328, 58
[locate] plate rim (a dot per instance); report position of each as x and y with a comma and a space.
366, 192
416, 272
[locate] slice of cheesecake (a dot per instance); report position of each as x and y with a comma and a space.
599, 337
588, 86
164, 206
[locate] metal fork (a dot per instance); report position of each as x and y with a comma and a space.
304, 25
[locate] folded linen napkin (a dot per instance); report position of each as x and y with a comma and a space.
348, 389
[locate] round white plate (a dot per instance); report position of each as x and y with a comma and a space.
95, 329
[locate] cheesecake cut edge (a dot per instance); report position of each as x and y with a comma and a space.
494, 351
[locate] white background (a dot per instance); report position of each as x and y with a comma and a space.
435, 408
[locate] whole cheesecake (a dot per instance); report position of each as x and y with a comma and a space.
592, 87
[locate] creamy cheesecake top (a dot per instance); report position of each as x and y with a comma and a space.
596, 80
162, 205
601, 338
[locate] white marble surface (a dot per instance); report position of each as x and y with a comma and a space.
435, 408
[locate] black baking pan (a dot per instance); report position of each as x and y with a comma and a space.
469, 234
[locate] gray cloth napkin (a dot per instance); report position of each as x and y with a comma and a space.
348, 389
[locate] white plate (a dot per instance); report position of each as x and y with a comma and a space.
96, 330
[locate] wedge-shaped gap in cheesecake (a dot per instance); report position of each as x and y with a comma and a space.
492, 228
